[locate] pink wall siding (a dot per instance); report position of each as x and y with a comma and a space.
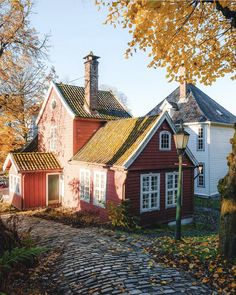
114, 187
61, 118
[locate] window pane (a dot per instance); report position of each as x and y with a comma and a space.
176, 181
154, 183
170, 181
153, 200
145, 201
169, 197
146, 184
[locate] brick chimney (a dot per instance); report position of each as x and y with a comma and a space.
91, 80
183, 85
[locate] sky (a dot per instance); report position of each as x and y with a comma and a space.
76, 27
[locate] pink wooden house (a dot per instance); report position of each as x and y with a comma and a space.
90, 151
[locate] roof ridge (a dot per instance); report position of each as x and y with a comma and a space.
82, 87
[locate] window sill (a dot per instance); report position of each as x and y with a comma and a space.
99, 205
170, 206
149, 210
85, 200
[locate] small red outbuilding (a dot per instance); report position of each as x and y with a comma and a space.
34, 179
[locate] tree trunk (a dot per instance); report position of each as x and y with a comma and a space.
227, 189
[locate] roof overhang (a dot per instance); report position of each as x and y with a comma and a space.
54, 87
8, 162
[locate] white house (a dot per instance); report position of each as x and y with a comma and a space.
210, 127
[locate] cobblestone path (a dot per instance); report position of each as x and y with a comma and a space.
94, 263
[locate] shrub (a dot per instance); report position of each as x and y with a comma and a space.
17, 256
121, 217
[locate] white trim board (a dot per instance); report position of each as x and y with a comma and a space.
60, 96
10, 158
59, 198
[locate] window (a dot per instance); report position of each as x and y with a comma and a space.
171, 189
201, 176
53, 138
100, 188
14, 184
165, 141
200, 139
85, 185
150, 192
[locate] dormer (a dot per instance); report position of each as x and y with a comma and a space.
169, 107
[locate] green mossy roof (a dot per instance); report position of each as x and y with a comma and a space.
36, 161
114, 143
108, 106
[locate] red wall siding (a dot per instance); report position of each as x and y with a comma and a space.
34, 190
153, 158
162, 215
83, 131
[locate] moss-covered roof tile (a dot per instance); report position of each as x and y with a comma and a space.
108, 106
36, 161
114, 143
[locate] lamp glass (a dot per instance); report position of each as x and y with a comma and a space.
181, 140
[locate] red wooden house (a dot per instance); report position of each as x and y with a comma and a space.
90, 152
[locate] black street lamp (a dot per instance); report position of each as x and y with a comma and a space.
181, 138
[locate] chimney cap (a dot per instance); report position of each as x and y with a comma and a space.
91, 56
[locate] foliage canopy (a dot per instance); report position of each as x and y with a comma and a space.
199, 34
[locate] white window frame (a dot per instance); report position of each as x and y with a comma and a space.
202, 174
15, 180
82, 192
160, 140
53, 138
101, 200
202, 138
149, 192
173, 189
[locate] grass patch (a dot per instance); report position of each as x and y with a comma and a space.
210, 203
197, 255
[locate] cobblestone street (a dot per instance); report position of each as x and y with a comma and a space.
94, 263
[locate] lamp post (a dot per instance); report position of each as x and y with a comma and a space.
181, 140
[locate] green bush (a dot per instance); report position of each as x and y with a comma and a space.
121, 217
18, 256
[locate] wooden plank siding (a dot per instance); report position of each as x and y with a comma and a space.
34, 190
83, 131
162, 215
60, 118
154, 160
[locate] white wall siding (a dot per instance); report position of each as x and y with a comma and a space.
201, 156
219, 150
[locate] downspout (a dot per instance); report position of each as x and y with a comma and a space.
124, 186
